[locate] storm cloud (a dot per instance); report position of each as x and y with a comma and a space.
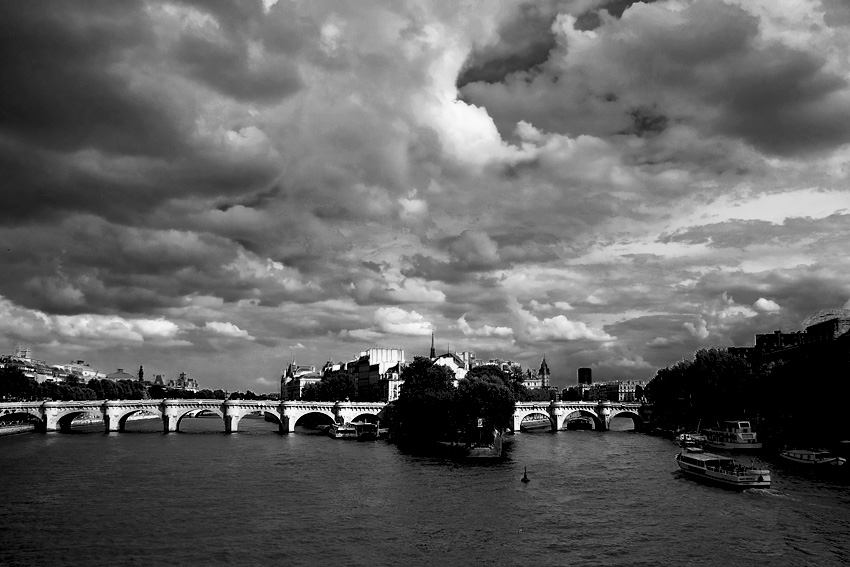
197, 186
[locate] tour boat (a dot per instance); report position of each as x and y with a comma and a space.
722, 471
811, 457
365, 431
691, 446
342, 431
530, 425
580, 424
732, 435
697, 438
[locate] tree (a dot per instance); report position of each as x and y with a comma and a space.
16, 386
156, 392
424, 411
337, 387
487, 399
715, 385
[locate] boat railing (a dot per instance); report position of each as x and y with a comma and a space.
736, 469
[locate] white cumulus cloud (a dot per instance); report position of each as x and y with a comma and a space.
227, 330
766, 305
483, 331
397, 321
557, 328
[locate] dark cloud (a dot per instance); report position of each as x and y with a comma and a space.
60, 87
308, 174
526, 39
524, 42
785, 102
224, 64
836, 13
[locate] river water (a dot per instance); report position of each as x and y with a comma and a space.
201, 497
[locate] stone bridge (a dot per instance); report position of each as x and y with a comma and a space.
600, 412
58, 416
336, 411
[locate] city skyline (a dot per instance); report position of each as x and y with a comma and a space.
217, 188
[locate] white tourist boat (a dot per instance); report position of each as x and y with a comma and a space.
342, 431
691, 446
732, 435
812, 457
722, 471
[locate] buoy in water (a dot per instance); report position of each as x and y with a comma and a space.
525, 475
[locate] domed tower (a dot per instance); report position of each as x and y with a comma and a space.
543, 373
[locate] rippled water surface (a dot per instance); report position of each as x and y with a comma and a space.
256, 497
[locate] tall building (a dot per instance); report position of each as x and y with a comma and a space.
584, 376
540, 379
543, 373
295, 378
377, 373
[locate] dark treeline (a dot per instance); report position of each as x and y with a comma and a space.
335, 387
339, 386
789, 400
16, 386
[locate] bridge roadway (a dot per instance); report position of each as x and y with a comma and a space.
58, 416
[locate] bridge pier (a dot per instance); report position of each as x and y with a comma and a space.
231, 423
287, 425
111, 416
170, 416
603, 410
556, 414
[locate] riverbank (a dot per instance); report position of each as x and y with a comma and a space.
16, 429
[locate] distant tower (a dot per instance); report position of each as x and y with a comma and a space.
141, 374
584, 376
543, 373
433, 352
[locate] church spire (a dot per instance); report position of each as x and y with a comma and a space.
543, 373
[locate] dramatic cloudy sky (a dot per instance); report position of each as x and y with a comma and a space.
215, 187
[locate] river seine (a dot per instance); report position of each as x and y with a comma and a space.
201, 497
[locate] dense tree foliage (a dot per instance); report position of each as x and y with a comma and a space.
118, 389
16, 386
487, 399
424, 409
717, 385
513, 380
335, 387
430, 408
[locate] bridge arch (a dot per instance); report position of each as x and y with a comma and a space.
63, 420
123, 417
579, 413
367, 416
536, 420
235, 415
637, 420
193, 412
7, 414
571, 412
522, 411
294, 420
